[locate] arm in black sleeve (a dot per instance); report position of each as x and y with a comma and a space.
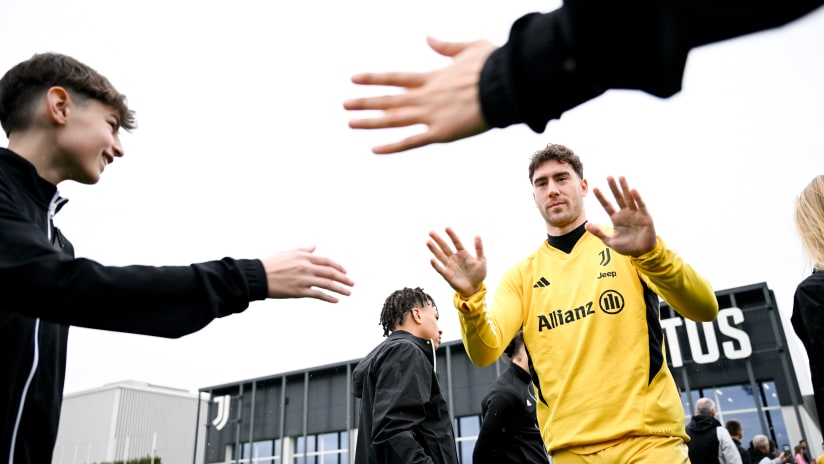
808, 322
403, 387
36, 280
501, 411
555, 61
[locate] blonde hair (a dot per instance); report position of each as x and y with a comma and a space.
809, 219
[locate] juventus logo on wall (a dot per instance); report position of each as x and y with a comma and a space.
223, 406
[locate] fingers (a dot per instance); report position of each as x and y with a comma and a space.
479, 248
301, 274
642, 207
324, 262
616, 193
596, 231
449, 49
455, 239
384, 102
610, 210
415, 141
439, 247
394, 79
626, 197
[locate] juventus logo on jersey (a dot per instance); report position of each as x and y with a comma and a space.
605, 257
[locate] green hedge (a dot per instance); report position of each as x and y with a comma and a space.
143, 460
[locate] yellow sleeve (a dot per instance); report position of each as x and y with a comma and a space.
677, 283
487, 331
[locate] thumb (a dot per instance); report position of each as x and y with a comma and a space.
447, 48
596, 231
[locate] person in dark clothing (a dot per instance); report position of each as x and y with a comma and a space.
709, 441
62, 119
736, 431
805, 451
808, 302
509, 427
556, 61
404, 417
760, 452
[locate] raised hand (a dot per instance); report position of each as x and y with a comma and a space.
462, 271
633, 231
302, 274
445, 100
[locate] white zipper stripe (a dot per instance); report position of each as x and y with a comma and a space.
36, 361
25, 391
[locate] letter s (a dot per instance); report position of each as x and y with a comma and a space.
726, 319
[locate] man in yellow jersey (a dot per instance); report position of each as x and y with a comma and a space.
588, 302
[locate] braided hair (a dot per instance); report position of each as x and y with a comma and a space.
399, 303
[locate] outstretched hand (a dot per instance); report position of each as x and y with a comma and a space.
302, 274
462, 271
445, 100
633, 231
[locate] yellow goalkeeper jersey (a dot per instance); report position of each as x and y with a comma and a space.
591, 325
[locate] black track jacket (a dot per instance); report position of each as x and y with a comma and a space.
808, 323
509, 427
44, 290
404, 418
555, 61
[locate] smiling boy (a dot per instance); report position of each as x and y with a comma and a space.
62, 120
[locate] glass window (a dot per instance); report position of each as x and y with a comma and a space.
326, 448
466, 434
266, 452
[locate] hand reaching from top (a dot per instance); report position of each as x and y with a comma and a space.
462, 271
302, 274
633, 231
445, 100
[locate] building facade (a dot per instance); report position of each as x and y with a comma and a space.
740, 360
129, 420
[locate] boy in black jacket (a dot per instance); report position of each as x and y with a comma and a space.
404, 418
509, 426
62, 120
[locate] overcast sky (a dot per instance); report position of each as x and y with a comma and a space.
243, 150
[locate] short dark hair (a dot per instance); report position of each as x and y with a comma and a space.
23, 83
733, 426
559, 153
514, 345
399, 303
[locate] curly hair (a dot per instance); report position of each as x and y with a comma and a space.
399, 303
556, 152
23, 83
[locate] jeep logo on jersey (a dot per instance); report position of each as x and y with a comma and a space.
611, 302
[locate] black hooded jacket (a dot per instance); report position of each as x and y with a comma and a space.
509, 428
703, 444
44, 289
404, 418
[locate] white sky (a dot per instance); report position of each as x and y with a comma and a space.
243, 150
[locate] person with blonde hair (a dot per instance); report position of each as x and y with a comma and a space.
808, 303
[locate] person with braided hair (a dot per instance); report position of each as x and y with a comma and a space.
403, 415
